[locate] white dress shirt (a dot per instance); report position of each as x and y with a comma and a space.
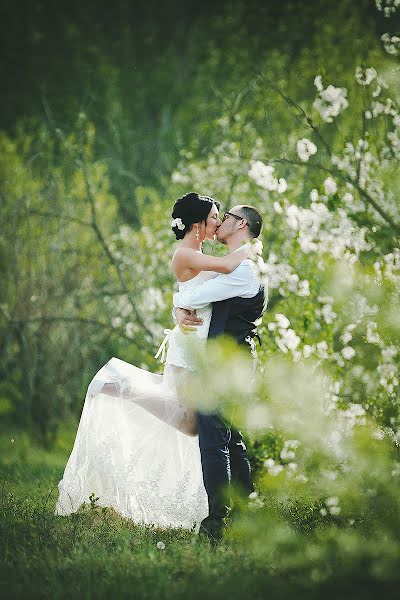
243, 282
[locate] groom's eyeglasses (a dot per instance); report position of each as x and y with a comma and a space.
229, 214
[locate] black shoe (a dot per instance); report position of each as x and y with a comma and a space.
212, 530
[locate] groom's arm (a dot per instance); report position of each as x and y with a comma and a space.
243, 282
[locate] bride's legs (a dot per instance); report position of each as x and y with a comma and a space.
166, 407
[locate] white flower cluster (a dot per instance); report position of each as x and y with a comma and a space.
279, 274
178, 177
265, 178
372, 336
331, 101
320, 349
388, 267
388, 7
347, 336
348, 352
289, 469
330, 186
255, 249
122, 308
288, 451
273, 467
394, 136
332, 396
331, 506
357, 161
255, 501
388, 369
178, 223
386, 108
153, 299
287, 340
305, 149
391, 43
353, 415
326, 312
223, 165
365, 76
319, 230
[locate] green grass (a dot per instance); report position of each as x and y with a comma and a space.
96, 553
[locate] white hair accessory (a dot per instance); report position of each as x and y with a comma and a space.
178, 223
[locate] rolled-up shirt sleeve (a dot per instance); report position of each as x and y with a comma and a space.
243, 282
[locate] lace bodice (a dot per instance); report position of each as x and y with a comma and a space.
182, 348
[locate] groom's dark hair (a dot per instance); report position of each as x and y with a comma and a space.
253, 218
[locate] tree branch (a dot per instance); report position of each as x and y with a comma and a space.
345, 178
302, 113
105, 247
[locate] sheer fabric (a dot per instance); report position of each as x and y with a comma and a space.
136, 447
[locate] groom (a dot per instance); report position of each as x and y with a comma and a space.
238, 300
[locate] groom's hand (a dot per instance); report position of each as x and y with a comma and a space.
187, 320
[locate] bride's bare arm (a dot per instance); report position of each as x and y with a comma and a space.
186, 258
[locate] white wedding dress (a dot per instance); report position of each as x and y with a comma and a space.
131, 450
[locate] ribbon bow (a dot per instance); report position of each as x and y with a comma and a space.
252, 345
162, 348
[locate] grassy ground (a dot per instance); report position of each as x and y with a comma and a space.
96, 554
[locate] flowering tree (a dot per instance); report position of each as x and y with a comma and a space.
326, 405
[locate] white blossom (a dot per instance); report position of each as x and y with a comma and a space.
346, 337
273, 468
391, 43
322, 349
288, 340
282, 186
177, 177
388, 7
372, 335
348, 352
178, 223
308, 350
332, 501
282, 321
264, 177
330, 186
330, 101
305, 149
161, 545
365, 76
289, 449
334, 510
303, 288
116, 322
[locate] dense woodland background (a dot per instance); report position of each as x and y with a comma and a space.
99, 106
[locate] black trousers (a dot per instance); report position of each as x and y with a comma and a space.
224, 460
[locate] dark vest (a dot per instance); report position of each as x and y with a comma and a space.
236, 317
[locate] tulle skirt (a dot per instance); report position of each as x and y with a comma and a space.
131, 451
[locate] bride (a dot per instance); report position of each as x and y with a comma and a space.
136, 447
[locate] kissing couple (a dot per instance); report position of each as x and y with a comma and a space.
140, 448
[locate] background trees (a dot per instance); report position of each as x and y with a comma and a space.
109, 115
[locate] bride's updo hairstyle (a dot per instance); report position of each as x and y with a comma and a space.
190, 209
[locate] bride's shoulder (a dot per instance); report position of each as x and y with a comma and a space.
183, 254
